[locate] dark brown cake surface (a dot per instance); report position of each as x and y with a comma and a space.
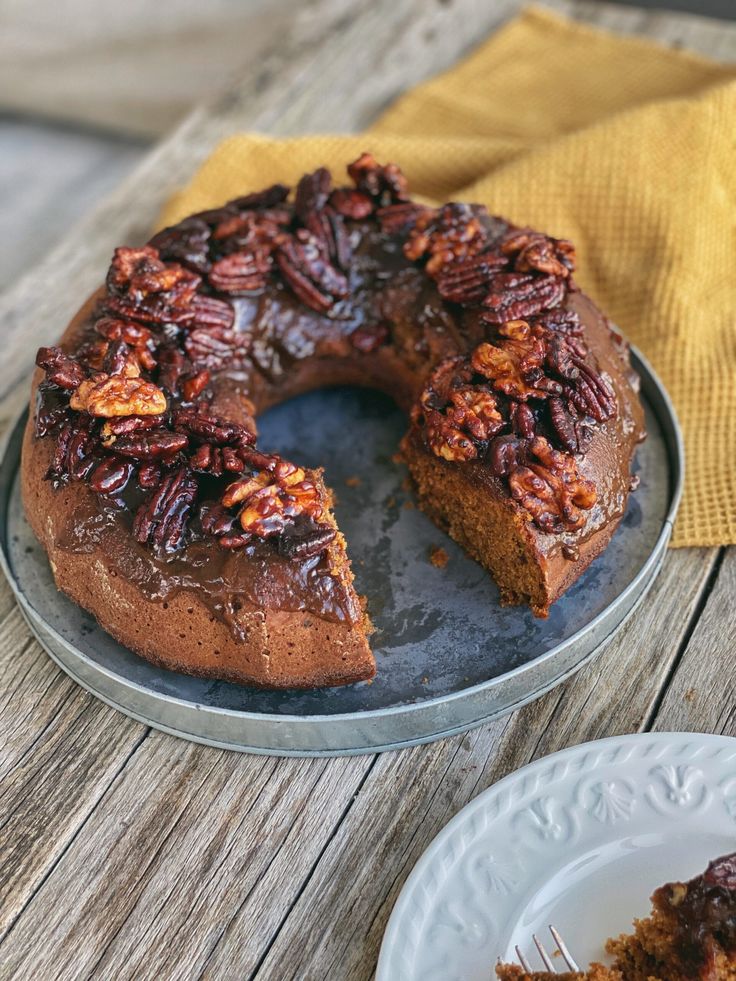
141, 471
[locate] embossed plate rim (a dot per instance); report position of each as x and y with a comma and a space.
558, 776
368, 730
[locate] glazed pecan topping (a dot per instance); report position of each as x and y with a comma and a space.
402, 216
150, 446
550, 488
161, 521
516, 296
111, 475
271, 501
186, 243
532, 251
457, 415
385, 185
514, 364
351, 204
467, 280
133, 411
305, 264
241, 272
60, 369
118, 395
312, 193
452, 232
137, 337
142, 287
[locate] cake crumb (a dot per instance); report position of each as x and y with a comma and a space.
409, 505
353, 481
391, 502
438, 557
425, 680
690, 695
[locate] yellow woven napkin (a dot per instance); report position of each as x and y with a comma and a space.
625, 147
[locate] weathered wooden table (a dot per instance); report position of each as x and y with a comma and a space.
125, 853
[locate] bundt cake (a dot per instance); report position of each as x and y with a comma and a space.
690, 936
142, 479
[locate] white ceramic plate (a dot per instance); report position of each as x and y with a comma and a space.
579, 839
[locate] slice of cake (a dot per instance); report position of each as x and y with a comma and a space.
689, 936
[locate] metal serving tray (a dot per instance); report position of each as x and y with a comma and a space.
449, 657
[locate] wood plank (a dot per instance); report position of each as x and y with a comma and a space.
701, 695
335, 928
176, 846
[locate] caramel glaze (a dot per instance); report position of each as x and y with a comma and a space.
294, 350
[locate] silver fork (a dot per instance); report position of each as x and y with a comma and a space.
546, 959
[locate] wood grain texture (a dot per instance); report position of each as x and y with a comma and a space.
125, 853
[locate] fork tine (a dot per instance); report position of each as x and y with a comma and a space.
562, 947
522, 960
543, 954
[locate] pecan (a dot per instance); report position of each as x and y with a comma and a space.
514, 366
61, 370
514, 295
350, 203
162, 519
215, 347
150, 446
216, 519
207, 459
186, 243
550, 488
120, 360
386, 184
458, 416
591, 393
79, 456
400, 217
111, 475
453, 232
305, 538
329, 227
143, 287
569, 429
250, 231
467, 280
312, 193
534, 251
192, 387
304, 264
271, 501
212, 312
136, 336
210, 429
172, 365
561, 321
124, 425
241, 272
118, 395
561, 358
504, 454
522, 418
149, 476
